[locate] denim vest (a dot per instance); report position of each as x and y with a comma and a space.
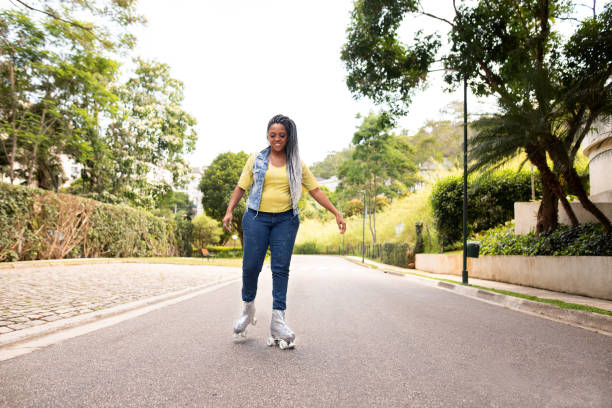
260, 166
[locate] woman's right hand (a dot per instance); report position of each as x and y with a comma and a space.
227, 222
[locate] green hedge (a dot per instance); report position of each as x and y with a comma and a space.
39, 224
583, 240
224, 252
491, 200
398, 254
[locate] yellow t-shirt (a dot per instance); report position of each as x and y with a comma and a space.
276, 195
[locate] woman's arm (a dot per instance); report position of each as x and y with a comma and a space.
322, 199
236, 196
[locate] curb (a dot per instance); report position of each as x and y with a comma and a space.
586, 320
31, 333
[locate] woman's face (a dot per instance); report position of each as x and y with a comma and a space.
277, 137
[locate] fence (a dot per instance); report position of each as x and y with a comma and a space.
391, 253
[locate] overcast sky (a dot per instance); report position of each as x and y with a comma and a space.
244, 61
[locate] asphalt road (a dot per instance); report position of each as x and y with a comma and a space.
364, 339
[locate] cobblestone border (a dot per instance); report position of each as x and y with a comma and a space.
20, 336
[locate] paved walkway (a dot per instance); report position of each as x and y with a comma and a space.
525, 290
38, 295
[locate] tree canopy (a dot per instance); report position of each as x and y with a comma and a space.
550, 89
61, 96
328, 167
380, 164
218, 182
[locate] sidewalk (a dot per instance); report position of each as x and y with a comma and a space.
39, 296
525, 290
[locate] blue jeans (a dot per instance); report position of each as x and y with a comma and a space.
260, 230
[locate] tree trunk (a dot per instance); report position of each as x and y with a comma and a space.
371, 213
538, 158
374, 223
33, 160
12, 158
548, 211
560, 156
576, 187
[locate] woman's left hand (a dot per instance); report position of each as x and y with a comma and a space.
341, 223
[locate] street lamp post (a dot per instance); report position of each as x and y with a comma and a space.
464, 274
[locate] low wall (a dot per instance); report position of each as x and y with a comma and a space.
578, 275
526, 214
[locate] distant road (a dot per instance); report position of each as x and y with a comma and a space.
364, 339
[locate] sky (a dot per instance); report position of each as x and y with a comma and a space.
242, 62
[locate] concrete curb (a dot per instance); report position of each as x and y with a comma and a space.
586, 320
20, 336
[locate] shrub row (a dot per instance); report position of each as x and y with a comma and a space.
225, 252
39, 224
583, 240
491, 200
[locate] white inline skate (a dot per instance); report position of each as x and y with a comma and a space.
247, 316
280, 333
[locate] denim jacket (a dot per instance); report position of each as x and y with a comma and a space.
260, 166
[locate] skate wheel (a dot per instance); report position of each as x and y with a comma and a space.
243, 334
236, 335
270, 341
283, 344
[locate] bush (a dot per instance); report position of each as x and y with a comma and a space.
491, 200
206, 231
40, 224
225, 252
307, 248
393, 253
184, 232
352, 207
583, 240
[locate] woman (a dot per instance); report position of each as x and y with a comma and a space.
275, 176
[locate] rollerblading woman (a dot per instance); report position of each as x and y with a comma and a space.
275, 177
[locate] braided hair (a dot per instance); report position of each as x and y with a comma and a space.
294, 164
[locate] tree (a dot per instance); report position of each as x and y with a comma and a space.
328, 167
55, 73
309, 208
509, 49
379, 164
173, 203
440, 140
206, 231
148, 138
218, 182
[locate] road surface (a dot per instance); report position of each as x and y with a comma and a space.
364, 339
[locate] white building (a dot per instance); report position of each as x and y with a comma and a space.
330, 183
192, 188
